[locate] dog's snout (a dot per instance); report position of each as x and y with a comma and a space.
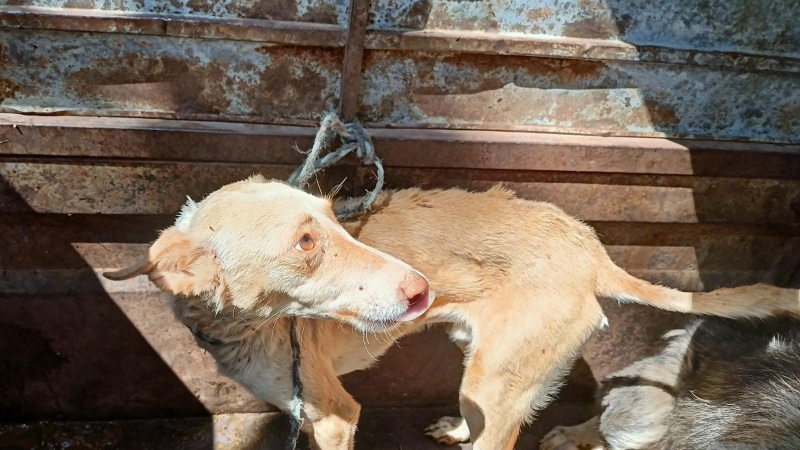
417, 294
414, 287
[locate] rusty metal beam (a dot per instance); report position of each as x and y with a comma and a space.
333, 35
707, 26
353, 56
155, 187
499, 150
577, 96
627, 198
455, 41
150, 139
127, 188
102, 21
166, 77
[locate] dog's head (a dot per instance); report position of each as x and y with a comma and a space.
270, 249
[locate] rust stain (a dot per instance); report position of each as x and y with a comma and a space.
593, 28
264, 49
139, 75
282, 10
313, 11
789, 119
82, 4
660, 114
8, 89
539, 13
401, 14
478, 88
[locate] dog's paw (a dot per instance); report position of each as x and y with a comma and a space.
580, 437
449, 430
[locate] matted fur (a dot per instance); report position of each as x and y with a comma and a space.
518, 280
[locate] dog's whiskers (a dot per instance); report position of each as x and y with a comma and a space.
274, 323
391, 338
363, 339
273, 316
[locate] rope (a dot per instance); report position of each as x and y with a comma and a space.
297, 389
355, 138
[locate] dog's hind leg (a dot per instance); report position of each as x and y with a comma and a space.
515, 363
496, 399
452, 430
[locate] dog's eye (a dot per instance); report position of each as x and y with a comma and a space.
305, 244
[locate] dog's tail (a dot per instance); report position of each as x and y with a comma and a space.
756, 301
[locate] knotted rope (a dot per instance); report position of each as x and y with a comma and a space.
354, 138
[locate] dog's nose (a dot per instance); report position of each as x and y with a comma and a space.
416, 291
414, 287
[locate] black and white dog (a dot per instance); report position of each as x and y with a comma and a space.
720, 384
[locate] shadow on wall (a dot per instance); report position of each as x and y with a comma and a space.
67, 349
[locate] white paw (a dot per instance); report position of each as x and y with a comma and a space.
449, 430
580, 437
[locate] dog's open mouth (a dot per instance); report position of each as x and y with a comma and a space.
417, 306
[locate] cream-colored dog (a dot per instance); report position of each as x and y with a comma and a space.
517, 280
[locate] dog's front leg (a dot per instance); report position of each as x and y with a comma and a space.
333, 413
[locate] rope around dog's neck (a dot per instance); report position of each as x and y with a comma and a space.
297, 389
355, 138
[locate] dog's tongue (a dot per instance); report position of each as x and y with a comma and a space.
419, 305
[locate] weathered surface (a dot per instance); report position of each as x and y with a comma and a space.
51, 72
110, 137
716, 25
76, 357
314, 11
353, 57
141, 188
630, 198
455, 41
105, 21
152, 139
160, 188
577, 96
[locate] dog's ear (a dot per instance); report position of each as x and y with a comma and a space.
177, 264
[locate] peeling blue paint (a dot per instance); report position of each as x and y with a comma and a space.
134, 75
573, 96
768, 27
318, 11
